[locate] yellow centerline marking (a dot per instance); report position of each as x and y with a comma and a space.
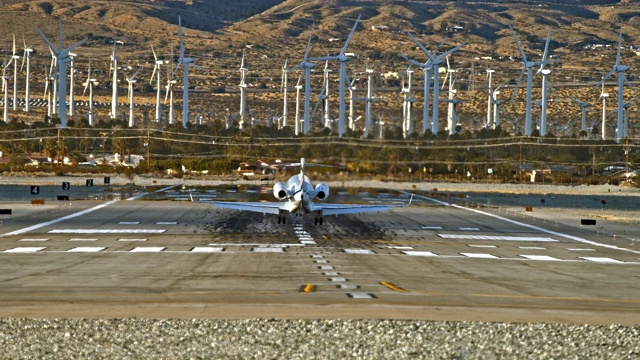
393, 287
309, 288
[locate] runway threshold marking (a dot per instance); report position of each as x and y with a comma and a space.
533, 227
24, 250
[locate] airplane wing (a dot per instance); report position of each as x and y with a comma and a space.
260, 207
337, 209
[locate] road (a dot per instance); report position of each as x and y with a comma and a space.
149, 257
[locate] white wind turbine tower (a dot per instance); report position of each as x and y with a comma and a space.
90, 83
526, 66
298, 88
407, 120
604, 96
243, 93
327, 119
307, 85
15, 58
114, 82
619, 69
342, 58
48, 86
584, 106
156, 69
130, 81
62, 56
169, 89
368, 100
496, 107
490, 101
27, 56
283, 86
53, 73
451, 116
5, 90
352, 120
435, 63
72, 71
185, 62
545, 86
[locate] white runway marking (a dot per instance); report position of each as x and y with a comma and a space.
347, 286
360, 295
308, 242
317, 256
256, 245
132, 240
87, 249
128, 222
540, 257
482, 246
81, 239
579, 249
34, 240
166, 223
24, 250
479, 256
469, 229
358, 251
431, 227
531, 248
419, 253
603, 260
54, 221
106, 231
331, 273
396, 247
326, 267
150, 249
494, 237
320, 261
207, 249
268, 250
337, 279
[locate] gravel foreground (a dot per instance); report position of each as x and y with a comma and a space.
310, 339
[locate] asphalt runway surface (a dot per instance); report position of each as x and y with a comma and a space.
153, 253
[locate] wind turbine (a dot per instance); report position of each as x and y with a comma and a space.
130, 81
325, 97
298, 88
14, 58
352, 98
156, 69
619, 69
27, 56
90, 83
490, 102
5, 89
604, 96
114, 82
169, 89
451, 115
243, 92
435, 63
545, 86
307, 85
407, 121
527, 66
53, 73
72, 71
368, 100
283, 86
584, 106
496, 107
342, 58
63, 58
49, 85
185, 62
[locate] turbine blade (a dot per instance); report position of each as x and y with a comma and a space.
619, 45
353, 30
77, 44
154, 54
515, 88
181, 40
153, 73
546, 48
524, 57
306, 52
51, 47
424, 49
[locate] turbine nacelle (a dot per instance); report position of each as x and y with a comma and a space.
280, 191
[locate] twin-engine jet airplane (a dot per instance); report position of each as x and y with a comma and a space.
296, 196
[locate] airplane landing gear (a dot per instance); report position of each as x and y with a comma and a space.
319, 220
282, 219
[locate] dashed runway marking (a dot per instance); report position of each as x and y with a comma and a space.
132, 240
469, 229
268, 249
603, 260
361, 296
419, 253
337, 279
431, 227
483, 246
347, 286
531, 248
493, 237
106, 231
580, 249
82, 239
128, 222
540, 257
166, 223
396, 247
207, 249
148, 249
479, 256
326, 267
359, 251
33, 240
25, 250
89, 249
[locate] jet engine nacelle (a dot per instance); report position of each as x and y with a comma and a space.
322, 191
280, 191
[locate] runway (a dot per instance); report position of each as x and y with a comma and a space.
157, 255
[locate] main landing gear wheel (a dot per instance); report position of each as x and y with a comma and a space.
318, 220
282, 219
